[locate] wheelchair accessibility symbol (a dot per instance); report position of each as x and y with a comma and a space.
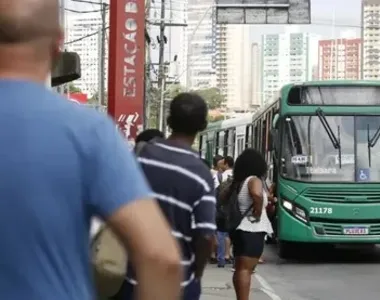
363, 175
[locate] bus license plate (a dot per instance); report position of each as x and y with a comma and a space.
356, 230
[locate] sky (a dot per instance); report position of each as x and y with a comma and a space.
345, 14
347, 17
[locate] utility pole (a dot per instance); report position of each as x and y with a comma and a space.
147, 80
102, 58
161, 68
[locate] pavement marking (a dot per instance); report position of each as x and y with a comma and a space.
266, 288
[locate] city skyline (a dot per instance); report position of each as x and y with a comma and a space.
342, 20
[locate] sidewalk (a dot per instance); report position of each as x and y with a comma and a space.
217, 285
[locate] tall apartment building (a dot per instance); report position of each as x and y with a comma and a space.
201, 44
339, 59
233, 66
371, 39
286, 58
256, 93
84, 29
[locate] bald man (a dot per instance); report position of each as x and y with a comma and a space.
61, 164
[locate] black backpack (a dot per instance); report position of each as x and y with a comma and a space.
228, 214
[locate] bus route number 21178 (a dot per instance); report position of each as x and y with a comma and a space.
321, 210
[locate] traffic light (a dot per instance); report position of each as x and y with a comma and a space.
67, 69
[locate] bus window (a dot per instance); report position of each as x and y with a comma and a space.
231, 142
249, 136
225, 143
203, 146
240, 145
217, 137
263, 137
256, 137
220, 143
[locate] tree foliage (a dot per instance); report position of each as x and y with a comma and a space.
212, 96
71, 88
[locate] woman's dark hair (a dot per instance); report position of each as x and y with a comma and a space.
249, 163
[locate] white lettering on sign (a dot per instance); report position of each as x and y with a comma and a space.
320, 171
126, 123
321, 210
130, 49
301, 159
346, 159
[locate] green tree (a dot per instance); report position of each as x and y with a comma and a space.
212, 96
215, 118
155, 101
71, 88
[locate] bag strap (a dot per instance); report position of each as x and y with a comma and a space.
247, 211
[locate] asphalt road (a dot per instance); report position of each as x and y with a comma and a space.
316, 274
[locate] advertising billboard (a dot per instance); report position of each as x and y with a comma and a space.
126, 65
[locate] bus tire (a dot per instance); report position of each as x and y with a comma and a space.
285, 249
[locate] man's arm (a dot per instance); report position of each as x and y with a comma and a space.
119, 194
204, 228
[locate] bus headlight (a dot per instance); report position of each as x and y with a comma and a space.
295, 210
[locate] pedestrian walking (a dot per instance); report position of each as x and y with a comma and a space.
183, 187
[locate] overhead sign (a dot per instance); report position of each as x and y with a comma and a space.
126, 65
263, 12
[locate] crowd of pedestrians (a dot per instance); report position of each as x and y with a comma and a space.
63, 164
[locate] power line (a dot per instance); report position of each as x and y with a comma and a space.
85, 37
82, 11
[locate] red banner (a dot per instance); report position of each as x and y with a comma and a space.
126, 65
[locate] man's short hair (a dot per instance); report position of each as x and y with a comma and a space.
229, 161
188, 114
216, 159
149, 134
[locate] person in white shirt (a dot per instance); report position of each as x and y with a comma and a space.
248, 239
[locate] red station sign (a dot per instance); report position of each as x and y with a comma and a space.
127, 65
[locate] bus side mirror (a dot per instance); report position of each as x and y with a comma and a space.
68, 68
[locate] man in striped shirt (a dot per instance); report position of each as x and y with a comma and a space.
184, 188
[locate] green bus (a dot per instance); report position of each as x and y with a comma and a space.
320, 139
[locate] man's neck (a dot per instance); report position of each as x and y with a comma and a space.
181, 139
20, 65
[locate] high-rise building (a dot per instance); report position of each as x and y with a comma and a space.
233, 66
201, 44
84, 36
256, 93
286, 58
339, 59
371, 39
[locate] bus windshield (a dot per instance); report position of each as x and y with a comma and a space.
308, 153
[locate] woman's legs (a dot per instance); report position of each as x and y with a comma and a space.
248, 248
242, 276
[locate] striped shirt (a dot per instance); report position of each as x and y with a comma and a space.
184, 188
